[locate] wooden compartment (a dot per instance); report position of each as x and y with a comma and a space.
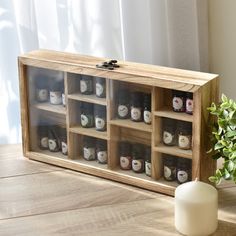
158, 81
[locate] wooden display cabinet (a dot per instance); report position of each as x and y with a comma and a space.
158, 81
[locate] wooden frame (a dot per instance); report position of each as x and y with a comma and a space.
159, 81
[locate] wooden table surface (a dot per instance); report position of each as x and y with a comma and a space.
40, 199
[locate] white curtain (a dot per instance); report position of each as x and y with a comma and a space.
163, 32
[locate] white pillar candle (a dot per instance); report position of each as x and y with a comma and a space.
196, 205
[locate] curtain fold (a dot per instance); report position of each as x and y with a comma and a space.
164, 32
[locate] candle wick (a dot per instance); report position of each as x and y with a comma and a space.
196, 179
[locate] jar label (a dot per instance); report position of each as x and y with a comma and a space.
100, 123
178, 103
83, 86
189, 105
102, 156
167, 137
42, 95
125, 162
55, 97
44, 142
64, 148
89, 154
182, 176
63, 99
184, 141
148, 168
135, 113
84, 120
137, 165
99, 89
147, 116
167, 172
52, 144
123, 110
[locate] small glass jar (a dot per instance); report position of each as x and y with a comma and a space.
89, 148
86, 117
41, 90
123, 104
184, 131
169, 163
138, 158
101, 151
100, 118
43, 136
147, 115
125, 156
86, 84
148, 164
183, 170
136, 106
63, 138
168, 134
100, 85
178, 100
56, 92
53, 139
189, 103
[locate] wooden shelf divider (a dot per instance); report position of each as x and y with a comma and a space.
88, 98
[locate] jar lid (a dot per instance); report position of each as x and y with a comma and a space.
137, 151
184, 162
136, 99
41, 83
148, 153
189, 95
183, 125
101, 144
169, 159
63, 132
56, 85
88, 141
169, 122
147, 99
86, 77
125, 148
86, 107
100, 80
178, 93
123, 96
99, 110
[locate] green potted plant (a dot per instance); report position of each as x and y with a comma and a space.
224, 139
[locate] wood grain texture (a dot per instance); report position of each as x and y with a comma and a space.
68, 203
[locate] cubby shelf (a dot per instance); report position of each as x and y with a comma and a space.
92, 132
147, 79
131, 125
46, 106
173, 150
88, 98
168, 113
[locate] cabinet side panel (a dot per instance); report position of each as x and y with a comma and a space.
210, 93
24, 106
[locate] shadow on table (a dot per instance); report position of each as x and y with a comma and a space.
225, 229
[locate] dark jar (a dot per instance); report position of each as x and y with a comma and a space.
101, 151
43, 136
169, 164
125, 156
56, 92
41, 89
138, 158
147, 114
178, 101
100, 85
168, 134
86, 117
100, 118
136, 106
63, 138
184, 131
89, 148
189, 103
86, 84
53, 138
148, 164
183, 170
123, 104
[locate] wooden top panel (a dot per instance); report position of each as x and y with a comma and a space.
153, 75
